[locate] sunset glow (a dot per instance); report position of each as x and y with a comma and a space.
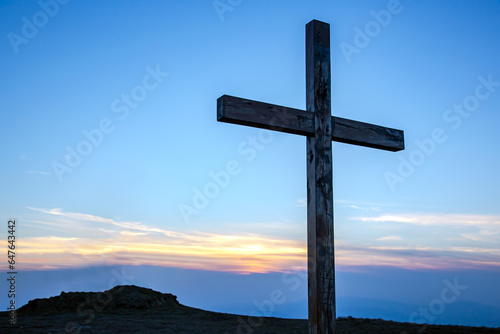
136, 242
114, 163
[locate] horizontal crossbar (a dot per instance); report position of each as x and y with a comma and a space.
261, 115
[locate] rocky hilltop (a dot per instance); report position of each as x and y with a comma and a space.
119, 298
132, 309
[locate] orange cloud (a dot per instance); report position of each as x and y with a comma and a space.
107, 241
243, 253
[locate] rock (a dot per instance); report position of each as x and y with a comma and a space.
122, 297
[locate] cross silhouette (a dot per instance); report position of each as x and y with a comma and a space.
320, 128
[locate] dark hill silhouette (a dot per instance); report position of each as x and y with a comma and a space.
132, 309
124, 297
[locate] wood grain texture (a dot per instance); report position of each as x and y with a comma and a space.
321, 259
367, 135
321, 129
268, 116
257, 114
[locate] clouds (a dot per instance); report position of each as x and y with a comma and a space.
77, 239
451, 227
390, 238
94, 240
413, 240
438, 219
417, 257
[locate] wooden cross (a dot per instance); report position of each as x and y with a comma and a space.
321, 128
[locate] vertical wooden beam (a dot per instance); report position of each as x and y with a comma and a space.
320, 246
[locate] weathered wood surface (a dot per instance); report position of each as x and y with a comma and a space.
268, 116
321, 129
321, 257
262, 115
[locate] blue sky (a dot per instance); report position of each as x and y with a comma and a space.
131, 88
